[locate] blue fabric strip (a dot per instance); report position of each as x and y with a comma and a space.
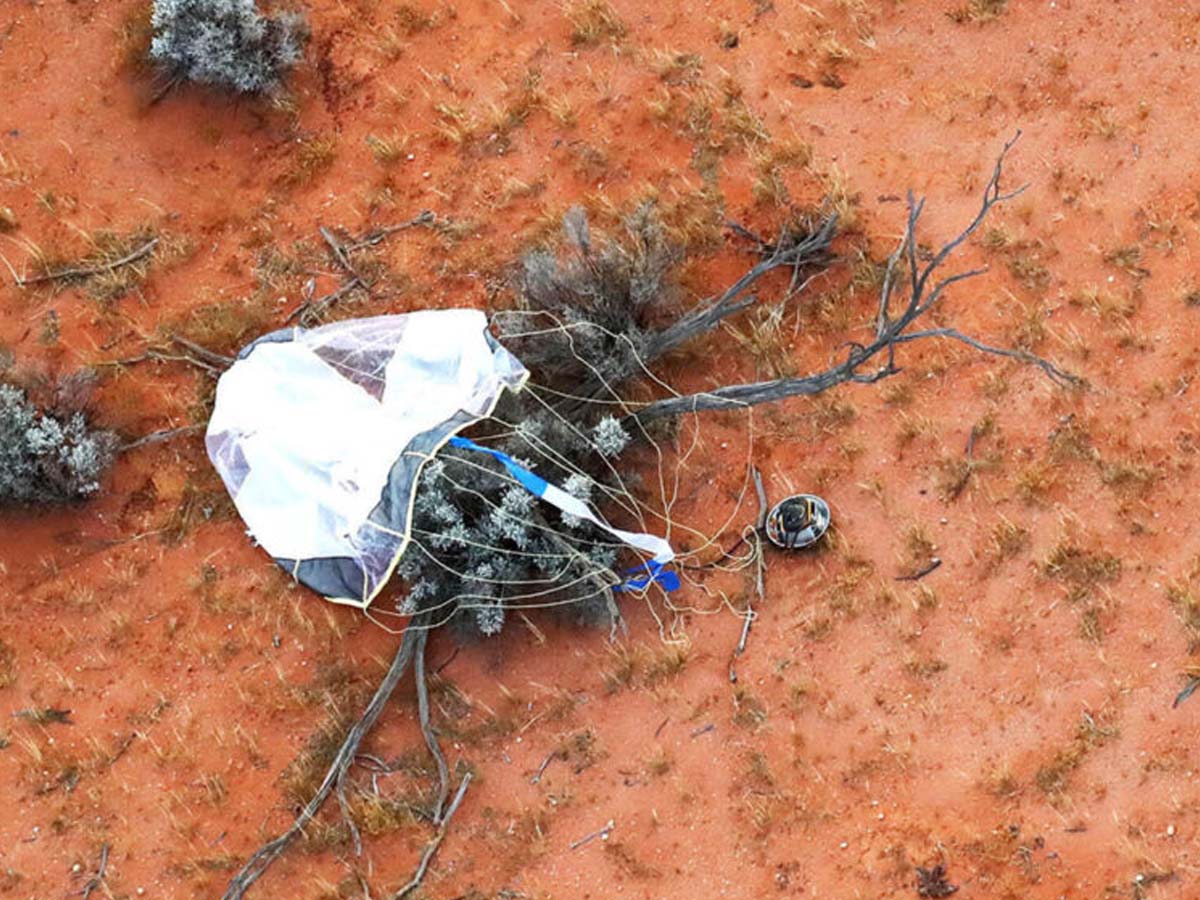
666, 579
536, 485
532, 483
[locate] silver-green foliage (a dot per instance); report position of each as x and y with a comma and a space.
48, 458
226, 43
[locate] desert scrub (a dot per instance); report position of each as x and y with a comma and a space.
48, 456
225, 43
484, 544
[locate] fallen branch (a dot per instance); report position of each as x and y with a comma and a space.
157, 437
88, 271
217, 359
269, 852
432, 847
97, 880
1188, 690
373, 237
603, 834
309, 309
890, 330
760, 565
930, 566
427, 729
797, 254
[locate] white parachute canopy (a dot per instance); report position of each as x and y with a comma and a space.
320, 435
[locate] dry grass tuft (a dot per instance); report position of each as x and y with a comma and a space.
8, 665
593, 22
978, 11
1080, 569
1008, 539
311, 157
1054, 777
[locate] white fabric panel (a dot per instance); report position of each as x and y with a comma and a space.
658, 548
305, 432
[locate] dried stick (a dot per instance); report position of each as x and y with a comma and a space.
760, 565
310, 308
156, 356
269, 852
794, 252
217, 359
890, 330
811, 250
427, 729
156, 437
432, 847
97, 880
931, 566
603, 834
88, 271
373, 237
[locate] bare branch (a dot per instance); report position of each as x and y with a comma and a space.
88, 271
889, 332
432, 847
784, 254
269, 852
427, 728
1057, 375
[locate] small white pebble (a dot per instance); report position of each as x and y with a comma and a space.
424, 174
77, 867
411, 157
141, 891
1170, 831
845, 844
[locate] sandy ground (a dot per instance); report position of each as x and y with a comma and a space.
1008, 716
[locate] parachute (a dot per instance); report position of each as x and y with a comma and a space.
320, 436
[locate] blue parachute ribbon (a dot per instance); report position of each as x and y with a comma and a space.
657, 573
664, 577
535, 484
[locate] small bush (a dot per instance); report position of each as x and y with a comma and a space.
483, 544
47, 457
226, 43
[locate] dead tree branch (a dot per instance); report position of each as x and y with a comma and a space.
796, 254
432, 847
427, 728
760, 567
892, 328
96, 881
310, 309
217, 359
269, 852
78, 272
157, 437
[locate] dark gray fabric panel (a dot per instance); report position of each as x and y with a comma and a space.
342, 576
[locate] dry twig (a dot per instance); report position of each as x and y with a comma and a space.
432, 847
760, 566
891, 328
97, 880
269, 852
77, 272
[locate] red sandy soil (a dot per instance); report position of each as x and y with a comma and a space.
1011, 724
